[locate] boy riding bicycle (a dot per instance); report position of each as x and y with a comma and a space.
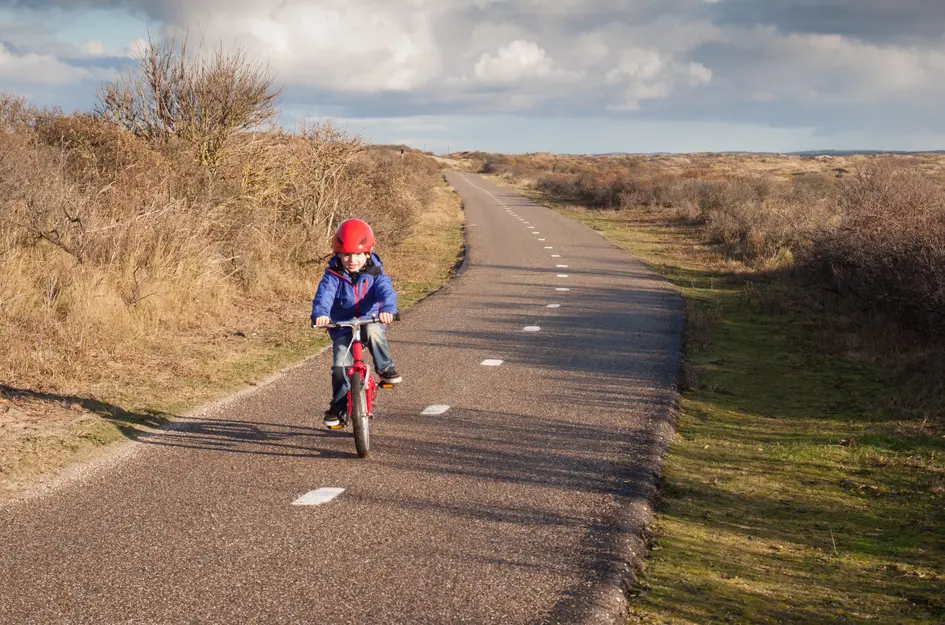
354, 285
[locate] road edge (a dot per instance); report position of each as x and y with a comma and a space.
459, 269
608, 601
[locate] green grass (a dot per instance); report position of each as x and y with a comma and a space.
795, 491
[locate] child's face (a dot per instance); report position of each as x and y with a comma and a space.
353, 262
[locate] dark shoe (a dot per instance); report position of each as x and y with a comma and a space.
333, 420
390, 376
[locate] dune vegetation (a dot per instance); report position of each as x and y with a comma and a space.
165, 247
806, 483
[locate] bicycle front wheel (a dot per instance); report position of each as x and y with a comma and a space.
360, 420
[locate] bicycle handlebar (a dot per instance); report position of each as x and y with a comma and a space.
357, 322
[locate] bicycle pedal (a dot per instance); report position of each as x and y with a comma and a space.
386, 385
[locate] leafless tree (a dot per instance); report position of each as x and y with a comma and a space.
202, 99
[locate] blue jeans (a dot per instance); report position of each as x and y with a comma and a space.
375, 339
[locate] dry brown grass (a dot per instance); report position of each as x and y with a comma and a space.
122, 246
134, 277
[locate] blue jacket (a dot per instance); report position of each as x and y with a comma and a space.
341, 298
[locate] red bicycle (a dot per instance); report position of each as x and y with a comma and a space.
362, 389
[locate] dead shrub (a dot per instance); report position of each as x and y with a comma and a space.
96, 148
16, 112
203, 100
888, 247
112, 244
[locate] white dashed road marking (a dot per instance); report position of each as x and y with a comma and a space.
562, 289
561, 266
491, 362
435, 409
531, 328
553, 306
562, 275
318, 497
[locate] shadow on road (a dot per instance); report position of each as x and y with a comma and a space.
154, 427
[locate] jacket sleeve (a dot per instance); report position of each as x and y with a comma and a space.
386, 294
325, 296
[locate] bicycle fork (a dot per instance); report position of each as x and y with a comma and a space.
359, 366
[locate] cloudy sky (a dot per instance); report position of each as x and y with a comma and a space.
536, 75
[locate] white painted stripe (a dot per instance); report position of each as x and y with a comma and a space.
490, 362
531, 329
536, 233
435, 409
561, 289
548, 247
561, 266
556, 255
553, 306
318, 496
541, 239
531, 227
562, 275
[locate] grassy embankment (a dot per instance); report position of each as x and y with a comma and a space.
47, 432
806, 483
163, 250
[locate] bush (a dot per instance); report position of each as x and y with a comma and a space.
877, 234
888, 246
109, 239
203, 100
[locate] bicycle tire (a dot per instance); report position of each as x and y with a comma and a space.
360, 421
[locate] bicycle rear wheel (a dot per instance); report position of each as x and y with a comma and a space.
360, 421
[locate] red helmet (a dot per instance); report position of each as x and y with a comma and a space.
353, 236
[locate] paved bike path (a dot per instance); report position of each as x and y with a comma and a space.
510, 507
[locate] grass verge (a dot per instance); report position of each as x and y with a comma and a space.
797, 490
41, 433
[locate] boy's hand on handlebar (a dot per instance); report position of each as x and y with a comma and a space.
322, 321
386, 317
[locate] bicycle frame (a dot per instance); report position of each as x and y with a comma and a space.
361, 395
359, 366
356, 349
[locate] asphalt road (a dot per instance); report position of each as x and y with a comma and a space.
516, 505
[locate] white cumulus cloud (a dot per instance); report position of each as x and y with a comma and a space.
516, 61
779, 63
